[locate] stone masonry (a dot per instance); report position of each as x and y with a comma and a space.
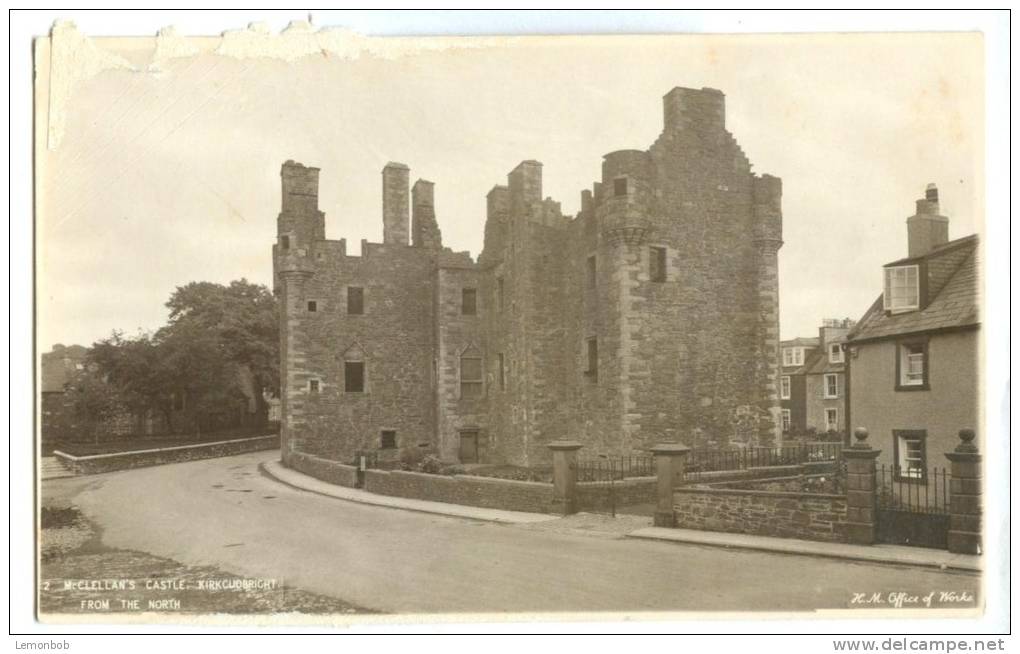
651, 315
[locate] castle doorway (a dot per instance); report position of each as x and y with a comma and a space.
469, 446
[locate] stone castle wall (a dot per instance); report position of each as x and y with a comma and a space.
691, 355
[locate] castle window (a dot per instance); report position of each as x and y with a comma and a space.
502, 372
901, 289
387, 439
178, 401
620, 186
470, 374
313, 386
592, 270
784, 387
830, 386
593, 358
657, 264
499, 293
313, 306
468, 301
284, 242
354, 376
355, 300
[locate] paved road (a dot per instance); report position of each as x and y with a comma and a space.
223, 512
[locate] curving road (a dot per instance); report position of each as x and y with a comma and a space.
222, 512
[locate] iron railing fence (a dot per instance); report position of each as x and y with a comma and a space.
913, 490
612, 468
702, 461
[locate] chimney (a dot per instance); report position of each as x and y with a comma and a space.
525, 182
396, 208
700, 110
926, 229
300, 188
424, 229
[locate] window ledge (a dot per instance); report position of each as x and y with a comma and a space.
910, 480
912, 387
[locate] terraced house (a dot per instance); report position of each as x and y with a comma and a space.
812, 383
913, 358
650, 315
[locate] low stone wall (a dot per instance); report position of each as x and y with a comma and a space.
326, 470
762, 513
485, 492
765, 472
632, 490
817, 483
747, 473
97, 463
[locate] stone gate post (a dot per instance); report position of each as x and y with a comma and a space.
860, 489
965, 496
670, 464
564, 476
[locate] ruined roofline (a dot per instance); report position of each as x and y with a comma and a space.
290, 163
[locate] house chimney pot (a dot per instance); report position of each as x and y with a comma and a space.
927, 229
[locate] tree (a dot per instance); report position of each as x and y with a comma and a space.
133, 367
235, 326
216, 338
95, 402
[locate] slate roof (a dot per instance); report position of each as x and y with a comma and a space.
53, 372
954, 306
822, 365
801, 341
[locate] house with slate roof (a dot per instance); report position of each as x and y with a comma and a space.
57, 371
913, 358
795, 357
812, 386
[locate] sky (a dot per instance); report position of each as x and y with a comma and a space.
169, 174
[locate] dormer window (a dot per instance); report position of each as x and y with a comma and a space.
902, 291
793, 356
835, 353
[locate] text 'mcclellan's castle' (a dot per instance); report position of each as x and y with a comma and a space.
650, 316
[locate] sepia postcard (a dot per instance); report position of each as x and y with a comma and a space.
337, 329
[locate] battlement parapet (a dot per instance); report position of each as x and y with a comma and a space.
450, 259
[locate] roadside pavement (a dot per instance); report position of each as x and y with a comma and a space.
637, 527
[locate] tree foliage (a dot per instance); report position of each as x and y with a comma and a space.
95, 402
219, 348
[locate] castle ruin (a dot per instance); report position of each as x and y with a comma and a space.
652, 315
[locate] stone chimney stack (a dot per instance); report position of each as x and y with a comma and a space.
926, 229
525, 183
700, 110
396, 205
424, 228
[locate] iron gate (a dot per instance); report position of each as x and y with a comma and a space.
603, 473
912, 506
